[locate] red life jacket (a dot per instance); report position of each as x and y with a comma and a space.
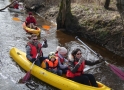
61, 59
52, 64
34, 50
79, 71
30, 20
16, 6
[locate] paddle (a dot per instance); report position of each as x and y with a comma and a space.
116, 70
16, 19
28, 74
46, 27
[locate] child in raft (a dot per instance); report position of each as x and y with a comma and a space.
51, 64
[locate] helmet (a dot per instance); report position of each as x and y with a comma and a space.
30, 13
51, 54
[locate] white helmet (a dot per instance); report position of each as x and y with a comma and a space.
51, 54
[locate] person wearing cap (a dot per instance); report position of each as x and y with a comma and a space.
31, 21
15, 4
61, 53
76, 66
34, 50
52, 64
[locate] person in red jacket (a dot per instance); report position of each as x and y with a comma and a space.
76, 66
31, 21
15, 4
34, 50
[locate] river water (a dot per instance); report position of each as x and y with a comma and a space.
13, 35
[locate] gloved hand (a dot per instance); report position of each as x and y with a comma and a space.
81, 60
33, 59
45, 41
106, 63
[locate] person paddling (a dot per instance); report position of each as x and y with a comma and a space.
31, 21
76, 67
33, 48
15, 5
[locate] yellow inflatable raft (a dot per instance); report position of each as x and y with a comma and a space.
31, 31
50, 78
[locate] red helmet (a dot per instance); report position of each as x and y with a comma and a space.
30, 13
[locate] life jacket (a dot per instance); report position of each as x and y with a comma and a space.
16, 6
51, 64
69, 74
30, 20
61, 59
34, 50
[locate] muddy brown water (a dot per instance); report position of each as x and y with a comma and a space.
13, 35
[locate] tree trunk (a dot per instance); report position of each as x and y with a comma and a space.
107, 2
64, 14
7, 6
120, 6
65, 20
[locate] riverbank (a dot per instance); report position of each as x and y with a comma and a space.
103, 27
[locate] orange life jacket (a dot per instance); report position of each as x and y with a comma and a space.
52, 64
61, 59
79, 71
34, 50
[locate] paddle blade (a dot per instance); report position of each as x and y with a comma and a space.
26, 77
46, 27
16, 19
117, 71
